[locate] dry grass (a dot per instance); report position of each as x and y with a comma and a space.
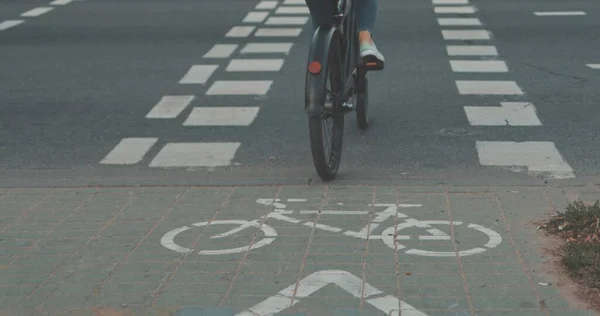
579, 227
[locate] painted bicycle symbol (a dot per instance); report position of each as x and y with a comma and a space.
389, 236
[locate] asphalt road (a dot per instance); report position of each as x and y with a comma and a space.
77, 80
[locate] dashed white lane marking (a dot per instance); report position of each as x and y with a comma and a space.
255, 17
261, 48
221, 51
170, 106
5, 25
507, 114
195, 155
538, 157
278, 32
60, 2
294, 2
559, 13
221, 116
198, 74
129, 151
255, 65
466, 34
37, 11
491, 87
240, 31
594, 66
266, 5
291, 20
454, 10
459, 21
471, 50
478, 66
240, 87
292, 10
450, 1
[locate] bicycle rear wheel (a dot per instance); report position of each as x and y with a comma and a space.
327, 130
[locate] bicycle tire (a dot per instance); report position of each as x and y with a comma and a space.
362, 101
327, 164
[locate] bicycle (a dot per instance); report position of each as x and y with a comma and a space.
389, 236
334, 54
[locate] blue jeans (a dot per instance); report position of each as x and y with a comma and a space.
321, 12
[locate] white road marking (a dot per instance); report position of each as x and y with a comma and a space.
507, 114
323, 227
495, 238
292, 10
466, 34
350, 283
559, 13
278, 32
221, 51
198, 74
271, 202
221, 116
454, 10
294, 2
538, 157
170, 106
240, 31
278, 214
287, 20
255, 65
5, 25
240, 87
266, 5
492, 87
195, 155
462, 253
450, 1
334, 212
60, 2
37, 11
594, 66
471, 50
129, 151
459, 21
255, 17
478, 66
254, 48
168, 239
297, 200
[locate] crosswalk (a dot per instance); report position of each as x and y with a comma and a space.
240, 53
243, 64
33, 13
514, 110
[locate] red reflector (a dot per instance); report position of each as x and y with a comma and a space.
314, 67
371, 64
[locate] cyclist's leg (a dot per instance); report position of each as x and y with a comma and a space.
366, 17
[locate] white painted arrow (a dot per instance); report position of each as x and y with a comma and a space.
348, 282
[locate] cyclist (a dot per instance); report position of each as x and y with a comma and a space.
321, 12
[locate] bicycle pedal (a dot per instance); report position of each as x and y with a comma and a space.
371, 65
348, 105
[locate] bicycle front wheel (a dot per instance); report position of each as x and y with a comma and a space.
327, 130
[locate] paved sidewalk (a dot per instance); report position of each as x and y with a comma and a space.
148, 251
